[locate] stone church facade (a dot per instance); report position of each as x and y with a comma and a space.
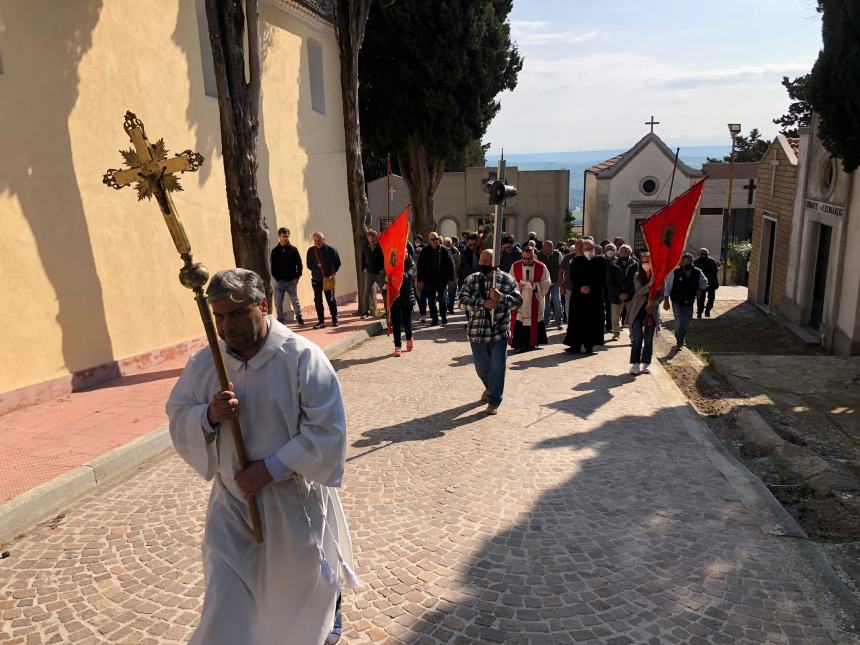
772, 223
622, 192
822, 289
460, 203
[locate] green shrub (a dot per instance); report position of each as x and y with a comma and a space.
738, 253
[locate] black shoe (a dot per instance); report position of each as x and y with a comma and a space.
444, 321
335, 322
319, 325
300, 322
434, 323
707, 314
699, 315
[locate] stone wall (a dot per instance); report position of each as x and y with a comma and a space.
780, 203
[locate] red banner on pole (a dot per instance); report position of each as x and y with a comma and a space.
393, 243
666, 233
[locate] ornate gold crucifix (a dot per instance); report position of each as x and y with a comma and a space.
154, 172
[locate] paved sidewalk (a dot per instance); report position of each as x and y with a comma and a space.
592, 509
44, 441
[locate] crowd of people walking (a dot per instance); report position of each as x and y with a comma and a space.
595, 288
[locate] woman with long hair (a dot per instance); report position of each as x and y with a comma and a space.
643, 317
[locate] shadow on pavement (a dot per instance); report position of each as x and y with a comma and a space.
420, 428
646, 543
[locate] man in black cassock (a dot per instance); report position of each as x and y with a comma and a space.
586, 325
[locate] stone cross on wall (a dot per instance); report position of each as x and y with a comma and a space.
391, 192
751, 188
773, 164
652, 123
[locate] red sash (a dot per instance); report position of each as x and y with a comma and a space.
537, 275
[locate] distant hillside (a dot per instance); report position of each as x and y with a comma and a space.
578, 162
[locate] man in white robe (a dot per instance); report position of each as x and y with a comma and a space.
533, 280
287, 398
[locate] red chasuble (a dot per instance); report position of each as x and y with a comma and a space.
537, 275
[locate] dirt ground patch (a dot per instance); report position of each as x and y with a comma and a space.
743, 357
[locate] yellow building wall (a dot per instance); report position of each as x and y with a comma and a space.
91, 273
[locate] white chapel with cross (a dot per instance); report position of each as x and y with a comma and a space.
623, 191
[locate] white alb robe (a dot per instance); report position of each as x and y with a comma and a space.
283, 591
530, 288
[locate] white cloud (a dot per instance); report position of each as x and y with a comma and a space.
732, 75
602, 101
536, 33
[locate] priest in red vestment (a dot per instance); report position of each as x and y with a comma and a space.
534, 282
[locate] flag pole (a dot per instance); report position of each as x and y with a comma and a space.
388, 188
674, 170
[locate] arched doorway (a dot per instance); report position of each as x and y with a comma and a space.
448, 228
537, 224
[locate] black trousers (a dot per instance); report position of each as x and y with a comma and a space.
711, 293
401, 320
318, 301
437, 301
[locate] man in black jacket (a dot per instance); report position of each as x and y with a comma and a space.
619, 286
323, 261
435, 272
682, 287
708, 266
286, 265
373, 269
469, 257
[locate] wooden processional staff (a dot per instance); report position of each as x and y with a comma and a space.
154, 173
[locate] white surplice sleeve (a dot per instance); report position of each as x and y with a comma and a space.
192, 435
545, 282
318, 451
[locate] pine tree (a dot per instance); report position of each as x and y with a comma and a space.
834, 85
430, 74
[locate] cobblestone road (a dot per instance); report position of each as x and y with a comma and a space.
584, 512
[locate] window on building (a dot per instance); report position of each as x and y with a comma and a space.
209, 85
649, 186
711, 211
315, 71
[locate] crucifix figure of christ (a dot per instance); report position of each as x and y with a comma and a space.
773, 164
751, 190
652, 123
155, 174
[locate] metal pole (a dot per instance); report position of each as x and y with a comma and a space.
674, 170
388, 189
728, 225
497, 224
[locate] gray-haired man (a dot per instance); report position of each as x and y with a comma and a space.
287, 397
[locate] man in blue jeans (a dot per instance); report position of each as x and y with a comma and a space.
488, 305
286, 265
683, 287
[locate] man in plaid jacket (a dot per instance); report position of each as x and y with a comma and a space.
489, 310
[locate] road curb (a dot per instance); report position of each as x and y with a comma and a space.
756, 496
47, 500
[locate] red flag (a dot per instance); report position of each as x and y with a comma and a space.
393, 243
666, 232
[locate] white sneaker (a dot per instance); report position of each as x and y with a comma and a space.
634, 369
646, 369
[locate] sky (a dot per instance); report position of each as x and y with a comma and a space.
595, 72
